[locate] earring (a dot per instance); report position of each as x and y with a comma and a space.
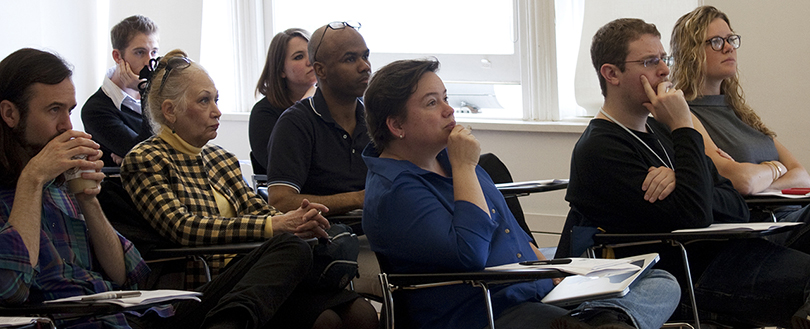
401, 136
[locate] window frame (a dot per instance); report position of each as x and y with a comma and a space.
535, 30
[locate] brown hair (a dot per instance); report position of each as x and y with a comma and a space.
689, 71
271, 84
18, 72
388, 92
611, 42
123, 32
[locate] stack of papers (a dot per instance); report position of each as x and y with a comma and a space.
576, 289
16, 322
578, 266
141, 297
758, 226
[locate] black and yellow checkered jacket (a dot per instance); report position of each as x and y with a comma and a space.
174, 193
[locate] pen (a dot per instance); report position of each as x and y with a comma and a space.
557, 261
112, 295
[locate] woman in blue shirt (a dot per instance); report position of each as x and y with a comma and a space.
430, 208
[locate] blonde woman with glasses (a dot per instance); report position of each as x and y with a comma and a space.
742, 148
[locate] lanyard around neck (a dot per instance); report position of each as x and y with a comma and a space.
670, 166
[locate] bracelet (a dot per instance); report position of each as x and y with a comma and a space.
777, 168
774, 170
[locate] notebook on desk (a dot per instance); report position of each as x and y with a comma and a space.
577, 289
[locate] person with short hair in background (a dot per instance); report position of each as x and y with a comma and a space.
314, 149
113, 113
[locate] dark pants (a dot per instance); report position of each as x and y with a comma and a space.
754, 281
798, 239
256, 286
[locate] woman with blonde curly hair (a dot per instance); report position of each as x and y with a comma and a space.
741, 146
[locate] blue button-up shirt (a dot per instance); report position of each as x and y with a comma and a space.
412, 219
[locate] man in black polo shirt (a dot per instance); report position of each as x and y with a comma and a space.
314, 150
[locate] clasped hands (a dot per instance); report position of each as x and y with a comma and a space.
306, 222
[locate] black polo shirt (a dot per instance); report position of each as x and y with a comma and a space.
311, 153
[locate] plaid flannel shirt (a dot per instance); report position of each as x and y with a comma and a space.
66, 265
174, 193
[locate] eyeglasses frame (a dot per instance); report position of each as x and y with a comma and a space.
668, 61
336, 25
725, 40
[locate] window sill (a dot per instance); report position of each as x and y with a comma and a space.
571, 126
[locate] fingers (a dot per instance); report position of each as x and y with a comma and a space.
648, 88
658, 184
315, 233
311, 228
314, 215
95, 156
307, 205
462, 147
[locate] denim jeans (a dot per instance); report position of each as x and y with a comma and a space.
756, 282
651, 300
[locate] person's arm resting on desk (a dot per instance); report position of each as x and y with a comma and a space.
749, 178
285, 198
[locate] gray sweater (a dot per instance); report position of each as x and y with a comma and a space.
730, 134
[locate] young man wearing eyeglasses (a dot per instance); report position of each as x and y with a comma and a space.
113, 114
632, 173
314, 149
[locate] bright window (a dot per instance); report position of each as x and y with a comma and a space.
476, 44
513, 59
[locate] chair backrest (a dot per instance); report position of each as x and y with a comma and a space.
258, 169
500, 174
126, 219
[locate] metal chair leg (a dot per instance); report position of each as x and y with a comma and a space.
388, 301
207, 269
690, 285
488, 300
591, 252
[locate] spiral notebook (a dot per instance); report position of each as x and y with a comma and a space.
578, 288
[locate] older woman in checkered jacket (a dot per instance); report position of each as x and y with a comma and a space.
192, 192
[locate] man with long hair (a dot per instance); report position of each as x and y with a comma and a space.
47, 233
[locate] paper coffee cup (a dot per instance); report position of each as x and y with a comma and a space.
75, 182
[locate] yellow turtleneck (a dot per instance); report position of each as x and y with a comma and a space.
226, 209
